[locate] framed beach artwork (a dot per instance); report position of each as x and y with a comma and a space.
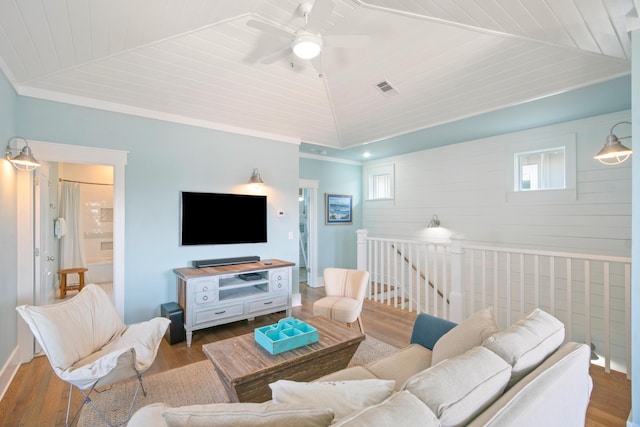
338, 209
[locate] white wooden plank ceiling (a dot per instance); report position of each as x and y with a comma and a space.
197, 61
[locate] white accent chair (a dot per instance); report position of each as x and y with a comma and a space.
89, 346
345, 290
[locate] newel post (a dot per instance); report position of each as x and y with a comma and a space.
457, 298
362, 250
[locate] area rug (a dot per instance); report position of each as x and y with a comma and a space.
197, 383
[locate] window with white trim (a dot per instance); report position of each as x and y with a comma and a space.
541, 170
379, 181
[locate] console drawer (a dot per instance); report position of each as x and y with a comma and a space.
204, 284
202, 316
276, 301
280, 285
204, 297
279, 274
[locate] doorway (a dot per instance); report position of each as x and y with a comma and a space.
308, 244
52, 152
84, 222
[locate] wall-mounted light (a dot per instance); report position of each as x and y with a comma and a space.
24, 159
613, 152
256, 178
435, 222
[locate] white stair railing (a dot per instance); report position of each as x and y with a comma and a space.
590, 294
406, 274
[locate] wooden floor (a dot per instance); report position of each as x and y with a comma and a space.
37, 397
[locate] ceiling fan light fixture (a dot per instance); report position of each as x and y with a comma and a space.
306, 45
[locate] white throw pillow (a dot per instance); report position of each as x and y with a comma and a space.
149, 415
529, 341
463, 337
343, 397
459, 388
402, 408
247, 415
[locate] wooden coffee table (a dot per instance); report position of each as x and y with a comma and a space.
247, 369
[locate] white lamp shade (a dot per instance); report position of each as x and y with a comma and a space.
307, 45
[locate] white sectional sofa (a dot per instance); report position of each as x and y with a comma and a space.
469, 374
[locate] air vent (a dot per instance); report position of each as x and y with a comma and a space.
386, 88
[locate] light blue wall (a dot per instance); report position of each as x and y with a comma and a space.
164, 159
635, 230
336, 243
8, 235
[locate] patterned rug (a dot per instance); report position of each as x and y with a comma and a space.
197, 383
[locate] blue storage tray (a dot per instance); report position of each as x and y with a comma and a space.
287, 334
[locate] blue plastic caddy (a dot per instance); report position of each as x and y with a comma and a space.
287, 334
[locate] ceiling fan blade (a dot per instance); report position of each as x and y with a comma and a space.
319, 15
273, 57
346, 40
269, 29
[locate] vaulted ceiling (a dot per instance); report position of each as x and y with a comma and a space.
198, 62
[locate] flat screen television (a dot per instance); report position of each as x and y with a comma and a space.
222, 219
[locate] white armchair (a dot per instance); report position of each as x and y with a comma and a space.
345, 290
89, 346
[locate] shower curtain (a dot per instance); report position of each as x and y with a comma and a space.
71, 244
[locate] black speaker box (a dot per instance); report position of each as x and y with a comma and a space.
172, 311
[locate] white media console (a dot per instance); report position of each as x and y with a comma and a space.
213, 296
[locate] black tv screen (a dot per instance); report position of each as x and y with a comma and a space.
222, 219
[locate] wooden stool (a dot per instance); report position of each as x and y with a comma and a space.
63, 280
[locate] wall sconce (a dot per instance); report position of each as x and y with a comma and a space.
435, 222
613, 152
24, 160
256, 178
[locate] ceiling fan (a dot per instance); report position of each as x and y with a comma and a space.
308, 42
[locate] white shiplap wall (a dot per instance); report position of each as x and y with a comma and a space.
464, 184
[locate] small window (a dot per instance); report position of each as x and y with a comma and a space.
379, 181
540, 170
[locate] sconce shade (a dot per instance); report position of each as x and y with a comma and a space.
613, 152
24, 160
255, 177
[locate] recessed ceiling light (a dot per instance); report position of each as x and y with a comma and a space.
367, 154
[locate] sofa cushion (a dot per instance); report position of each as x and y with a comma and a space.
468, 334
402, 408
529, 341
555, 393
149, 415
459, 388
343, 397
348, 374
402, 364
248, 414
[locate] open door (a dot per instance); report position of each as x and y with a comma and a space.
44, 257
